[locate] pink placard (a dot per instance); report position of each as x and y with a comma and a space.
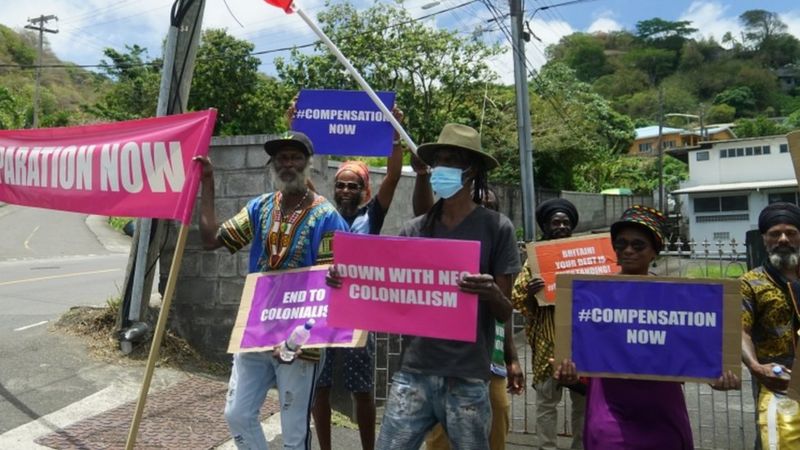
405, 286
136, 168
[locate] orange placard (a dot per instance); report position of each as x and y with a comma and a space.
591, 254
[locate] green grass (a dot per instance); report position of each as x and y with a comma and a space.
118, 222
713, 270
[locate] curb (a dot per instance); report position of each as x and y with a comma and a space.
111, 239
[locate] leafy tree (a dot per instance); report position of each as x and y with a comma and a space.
741, 98
793, 121
780, 50
760, 26
655, 62
721, 113
657, 28
134, 93
624, 81
226, 77
759, 126
16, 48
691, 56
664, 34
430, 69
767, 34
645, 104
572, 125
12, 112
582, 52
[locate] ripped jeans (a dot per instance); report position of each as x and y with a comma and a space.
418, 402
253, 375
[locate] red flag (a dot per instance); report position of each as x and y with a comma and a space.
285, 5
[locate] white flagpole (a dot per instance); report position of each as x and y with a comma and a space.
342, 59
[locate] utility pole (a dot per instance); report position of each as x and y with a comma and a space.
523, 120
38, 24
660, 150
176, 79
180, 50
702, 116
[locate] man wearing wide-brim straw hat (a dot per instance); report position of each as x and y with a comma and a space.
444, 381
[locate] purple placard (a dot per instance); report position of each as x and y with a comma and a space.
647, 328
284, 300
344, 122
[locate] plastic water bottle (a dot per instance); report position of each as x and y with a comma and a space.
786, 405
299, 336
779, 372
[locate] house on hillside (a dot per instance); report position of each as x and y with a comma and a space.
788, 77
730, 182
646, 141
717, 132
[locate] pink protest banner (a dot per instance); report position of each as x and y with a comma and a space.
405, 285
273, 303
136, 168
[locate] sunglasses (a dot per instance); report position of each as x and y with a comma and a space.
637, 245
349, 186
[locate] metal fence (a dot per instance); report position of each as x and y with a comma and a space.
720, 420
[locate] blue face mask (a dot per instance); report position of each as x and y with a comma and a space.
446, 181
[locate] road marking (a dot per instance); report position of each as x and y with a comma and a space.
53, 277
27, 241
30, 326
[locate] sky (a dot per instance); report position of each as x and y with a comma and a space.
86, 27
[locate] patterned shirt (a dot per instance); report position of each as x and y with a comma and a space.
300, 240
770, 316
307, 241
539, 326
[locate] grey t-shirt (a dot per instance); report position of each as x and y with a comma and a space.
499, 256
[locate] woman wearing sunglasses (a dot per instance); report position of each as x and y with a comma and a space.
636, 414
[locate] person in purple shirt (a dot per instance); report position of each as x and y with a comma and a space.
636, 414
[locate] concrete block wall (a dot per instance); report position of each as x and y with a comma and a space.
209, 286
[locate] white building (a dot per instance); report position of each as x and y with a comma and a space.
730, 182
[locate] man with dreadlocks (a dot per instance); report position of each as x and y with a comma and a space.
770, 319
507, 374
557, 218
445, 381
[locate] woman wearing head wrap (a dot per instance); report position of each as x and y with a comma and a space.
636, 414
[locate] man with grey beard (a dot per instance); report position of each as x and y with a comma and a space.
770, 316
290, 228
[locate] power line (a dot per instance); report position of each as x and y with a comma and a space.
94, 12
255, 53
498, 19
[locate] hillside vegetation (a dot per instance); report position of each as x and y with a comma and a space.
585, 102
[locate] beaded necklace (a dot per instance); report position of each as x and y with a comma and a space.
281, 231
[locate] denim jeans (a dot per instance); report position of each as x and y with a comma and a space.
417, 402
252, 376
501, 405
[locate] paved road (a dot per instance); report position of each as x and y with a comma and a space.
49, 262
